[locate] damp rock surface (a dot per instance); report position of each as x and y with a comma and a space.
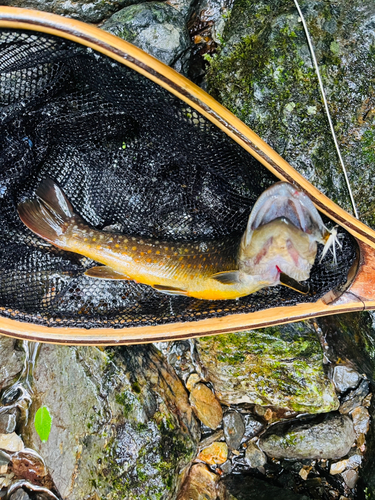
202, 484
279, 366
155, 27
89, 11
11, 361
331, 437
264, 74
126, 430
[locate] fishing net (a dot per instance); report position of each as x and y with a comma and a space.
129, 155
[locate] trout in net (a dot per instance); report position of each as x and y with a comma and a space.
278, 246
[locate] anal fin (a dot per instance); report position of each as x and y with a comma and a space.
105, 273
169, 290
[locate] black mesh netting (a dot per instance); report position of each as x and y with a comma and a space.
128, 154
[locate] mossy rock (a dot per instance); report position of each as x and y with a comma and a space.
278, 366
264, 74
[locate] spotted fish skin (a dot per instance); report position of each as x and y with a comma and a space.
174, 268
205, 270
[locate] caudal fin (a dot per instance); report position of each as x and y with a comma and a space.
49, 214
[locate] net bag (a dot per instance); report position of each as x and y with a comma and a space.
132, 157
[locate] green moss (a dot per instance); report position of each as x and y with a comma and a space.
125, 401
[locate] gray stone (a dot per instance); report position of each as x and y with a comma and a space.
234, 429
252, 426
11, 361
264, 74
89, 11
8, 421
122, 426
331, 437
277, 366
20, 494
254, 456
155, 27
350, 478
345, 378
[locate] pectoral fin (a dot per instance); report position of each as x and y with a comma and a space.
105, 273
227, 277
293, 284
169, 290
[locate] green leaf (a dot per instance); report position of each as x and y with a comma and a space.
43, 423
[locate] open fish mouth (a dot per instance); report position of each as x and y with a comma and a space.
282, 200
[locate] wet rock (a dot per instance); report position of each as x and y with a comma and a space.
339, 467
204, 402
252, 426
361, 420
329, 437
264, 74
28, 465
350, 478
201, 484
11, 442
8, 421
156, 27
11, 361
254, 456
20, 495
234, 429
215, 454
244, 487
350, 339
178, 355
89, 11
125, 431
279, 366
354, 398
345, 378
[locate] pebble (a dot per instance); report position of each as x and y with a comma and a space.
361, 420
252, 426
304, 472
345, 378
234, 429
350, 478
204, 402
226, 467
338, 467
215, 454
29, 465
11, 442
254, 456
20, 494
200, 483
8, 422
331, 438
355, 397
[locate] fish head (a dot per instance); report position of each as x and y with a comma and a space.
282, 200
281, 236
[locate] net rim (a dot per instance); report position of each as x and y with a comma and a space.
148, 66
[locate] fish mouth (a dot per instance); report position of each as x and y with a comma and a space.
283, 201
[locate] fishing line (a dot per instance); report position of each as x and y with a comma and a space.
326, 105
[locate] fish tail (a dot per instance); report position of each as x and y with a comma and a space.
49, 214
